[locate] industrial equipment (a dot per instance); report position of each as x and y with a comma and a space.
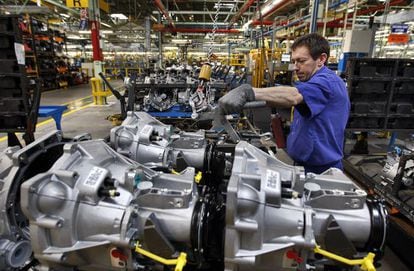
381, 95
178, 88
398, 171
152, 143
89, 207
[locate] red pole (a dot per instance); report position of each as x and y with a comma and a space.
97, 51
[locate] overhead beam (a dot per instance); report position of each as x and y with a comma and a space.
271, 7
20, 9
202, 1
201, 23
199, 30
201, 12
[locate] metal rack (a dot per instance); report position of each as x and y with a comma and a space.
19, 100
381, 93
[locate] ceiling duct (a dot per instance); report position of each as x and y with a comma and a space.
270, 7
241, 12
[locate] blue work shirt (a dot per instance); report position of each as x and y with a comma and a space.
317, 133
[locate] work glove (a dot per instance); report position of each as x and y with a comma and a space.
234, 101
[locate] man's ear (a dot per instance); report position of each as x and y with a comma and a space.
323, 58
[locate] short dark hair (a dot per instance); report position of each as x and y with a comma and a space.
316, 44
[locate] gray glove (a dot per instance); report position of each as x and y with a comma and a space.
234, 101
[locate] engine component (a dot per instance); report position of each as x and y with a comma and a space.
81, 209
95, 209
16, 166
400, 158
205, 72
269, 227
398, 173
150, 142
203, 97
93, 205
160, 92
179, 87
160, 99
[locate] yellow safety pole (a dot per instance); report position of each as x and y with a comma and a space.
98, 93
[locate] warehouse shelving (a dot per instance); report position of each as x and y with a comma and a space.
45, 51
19, 96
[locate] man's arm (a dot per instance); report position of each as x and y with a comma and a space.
280, 96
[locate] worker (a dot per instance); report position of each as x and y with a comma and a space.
321, 106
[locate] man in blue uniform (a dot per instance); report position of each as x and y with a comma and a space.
321, 105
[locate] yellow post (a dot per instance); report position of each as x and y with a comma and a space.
99, 95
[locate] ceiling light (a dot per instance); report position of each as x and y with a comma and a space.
73, 46
223, 5
74, 37
64, 15
171, 48
178, 41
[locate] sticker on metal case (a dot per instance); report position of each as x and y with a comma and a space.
272, 178
95, 175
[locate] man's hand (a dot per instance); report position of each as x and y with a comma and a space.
234, 101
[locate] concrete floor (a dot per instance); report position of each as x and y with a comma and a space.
81, 117
84, 117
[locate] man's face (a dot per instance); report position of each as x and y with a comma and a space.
305, 65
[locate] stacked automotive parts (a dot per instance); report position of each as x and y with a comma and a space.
381, 93
92, 208
179, 92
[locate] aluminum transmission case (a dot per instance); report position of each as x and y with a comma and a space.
148, 141
16, 166
88, 210
266, 223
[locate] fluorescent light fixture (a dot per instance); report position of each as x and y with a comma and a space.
119, 16
106, 31
73, 46
74, 37
223, 5
334, 38
64, 15
84, 31
171, 48
179, 41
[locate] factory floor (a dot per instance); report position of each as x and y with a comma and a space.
84, 117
